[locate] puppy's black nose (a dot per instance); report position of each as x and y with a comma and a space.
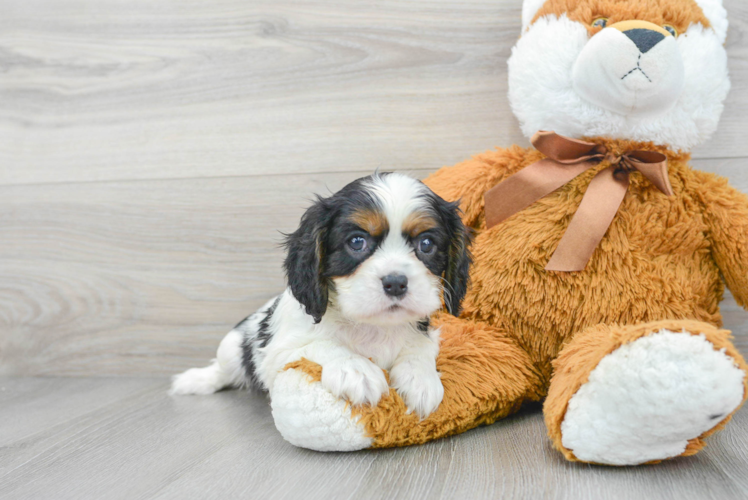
644, 39
395, 285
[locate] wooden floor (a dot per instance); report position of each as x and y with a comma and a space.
92, 438
151, 153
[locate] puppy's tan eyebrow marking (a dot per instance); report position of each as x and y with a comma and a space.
373, 222
418, 222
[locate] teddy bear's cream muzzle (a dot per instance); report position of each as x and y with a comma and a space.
632, 68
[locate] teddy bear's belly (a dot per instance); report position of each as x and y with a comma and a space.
661, 269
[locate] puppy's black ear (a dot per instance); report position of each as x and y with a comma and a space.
305, 259
457, 274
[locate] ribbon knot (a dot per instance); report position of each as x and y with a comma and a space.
614, 159
565, 159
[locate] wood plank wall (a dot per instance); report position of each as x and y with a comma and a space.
151, 152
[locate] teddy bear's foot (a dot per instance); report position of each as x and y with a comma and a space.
309, 416
648, 399
651, 398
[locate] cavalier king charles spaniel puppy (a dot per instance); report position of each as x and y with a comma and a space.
366, 268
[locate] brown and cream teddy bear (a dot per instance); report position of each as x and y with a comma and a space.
599, 254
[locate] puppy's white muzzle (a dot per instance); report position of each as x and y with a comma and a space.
635, 72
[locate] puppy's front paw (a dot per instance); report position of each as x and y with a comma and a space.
356, 379
420, 387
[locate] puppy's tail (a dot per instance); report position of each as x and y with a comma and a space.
224, 372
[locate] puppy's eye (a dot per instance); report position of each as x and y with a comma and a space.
600, 22
426, 246
357, 244
670, 30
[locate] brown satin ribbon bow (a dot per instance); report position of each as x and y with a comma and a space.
566, 159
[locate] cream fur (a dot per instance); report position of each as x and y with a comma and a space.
611, 73
647, 399
309, 416
543, 95
717, 15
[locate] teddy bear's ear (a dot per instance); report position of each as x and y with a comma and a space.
717, 15
529, 9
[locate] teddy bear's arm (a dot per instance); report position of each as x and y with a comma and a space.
468, 181
726, 214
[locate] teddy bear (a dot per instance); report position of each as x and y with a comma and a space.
600, 255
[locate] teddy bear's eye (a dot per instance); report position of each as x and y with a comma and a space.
600, 22
671, 30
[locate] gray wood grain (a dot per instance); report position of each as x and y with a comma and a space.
132, 89
140, 443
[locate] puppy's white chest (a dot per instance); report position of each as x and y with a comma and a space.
382, 346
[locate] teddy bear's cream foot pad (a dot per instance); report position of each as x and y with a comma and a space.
648, 398
309, 416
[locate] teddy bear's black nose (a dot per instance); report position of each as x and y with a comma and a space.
644, 39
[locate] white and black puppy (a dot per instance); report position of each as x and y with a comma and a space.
366, 268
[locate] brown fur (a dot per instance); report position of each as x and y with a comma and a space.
372, 221
677, 13
417, 223
526, 333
